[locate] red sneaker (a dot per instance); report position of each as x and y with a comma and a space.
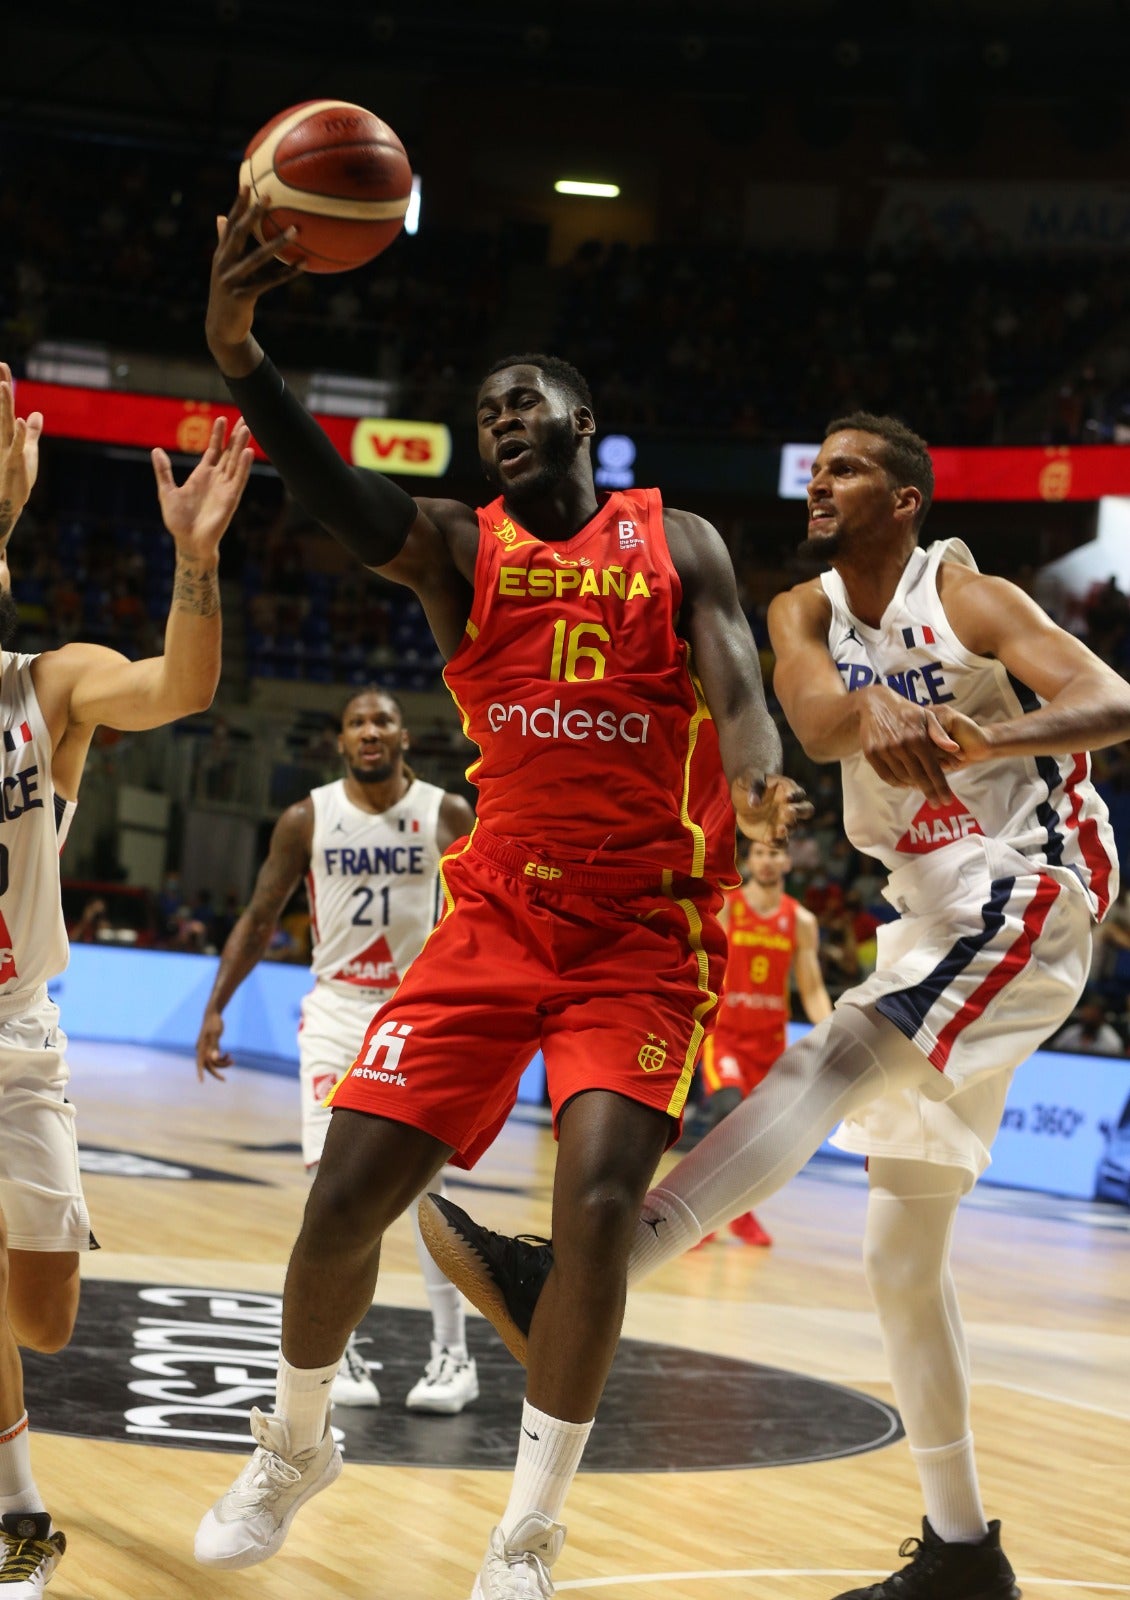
749, 1230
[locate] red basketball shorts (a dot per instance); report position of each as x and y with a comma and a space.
612, 975
737, 1058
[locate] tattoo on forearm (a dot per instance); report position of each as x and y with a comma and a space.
7, 517
196, 588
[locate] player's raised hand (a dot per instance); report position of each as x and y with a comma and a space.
769, 811
239, 276
19, 454
198, 511
211, 1061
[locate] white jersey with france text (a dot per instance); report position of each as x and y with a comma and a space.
373, 885
1044, 807
33, 827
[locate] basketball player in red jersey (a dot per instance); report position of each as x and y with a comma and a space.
773, 941
601, 661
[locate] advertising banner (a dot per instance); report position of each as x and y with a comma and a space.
997, 218
119, 417
157, 997
992, 472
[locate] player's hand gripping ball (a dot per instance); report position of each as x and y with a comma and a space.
334, 172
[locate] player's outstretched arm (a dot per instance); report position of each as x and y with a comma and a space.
287, 861
365, 511
242, 270
19, 456
95, 685
726, 662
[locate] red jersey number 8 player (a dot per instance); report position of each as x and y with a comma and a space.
773, 942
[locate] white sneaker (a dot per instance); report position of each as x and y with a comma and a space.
354, 1384
450, 1382
250, 1521
30, 1553
518, 1568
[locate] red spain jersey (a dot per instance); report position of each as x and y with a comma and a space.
755, 991
596, 742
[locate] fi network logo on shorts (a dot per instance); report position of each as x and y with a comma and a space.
389, 1037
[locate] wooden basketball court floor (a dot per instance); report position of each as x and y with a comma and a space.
1045, 1286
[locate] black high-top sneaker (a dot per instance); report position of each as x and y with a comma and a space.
500, 1276
941, 1571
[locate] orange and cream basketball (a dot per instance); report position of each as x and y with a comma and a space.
334, 172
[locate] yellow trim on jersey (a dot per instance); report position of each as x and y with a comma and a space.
469, 774
709, 999
711, 1078
698, 836
472, 630
448, 897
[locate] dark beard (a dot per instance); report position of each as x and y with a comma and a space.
9, 619
815, 554
558, 449
379, 774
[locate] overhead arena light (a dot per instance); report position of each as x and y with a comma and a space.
599, 191
415, 200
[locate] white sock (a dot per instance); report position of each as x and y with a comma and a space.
848, 1060
18, 1491
302, 1400
449, 1317
549, 1453
948, 1476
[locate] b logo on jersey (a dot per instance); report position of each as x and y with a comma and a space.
629, 539
653, 1055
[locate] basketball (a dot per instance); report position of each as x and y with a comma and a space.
335, 172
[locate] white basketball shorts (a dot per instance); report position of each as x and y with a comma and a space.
40, 1187
334, 1020
986, 960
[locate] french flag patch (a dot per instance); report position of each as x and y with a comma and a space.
917, 636
408, 824
14, 737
